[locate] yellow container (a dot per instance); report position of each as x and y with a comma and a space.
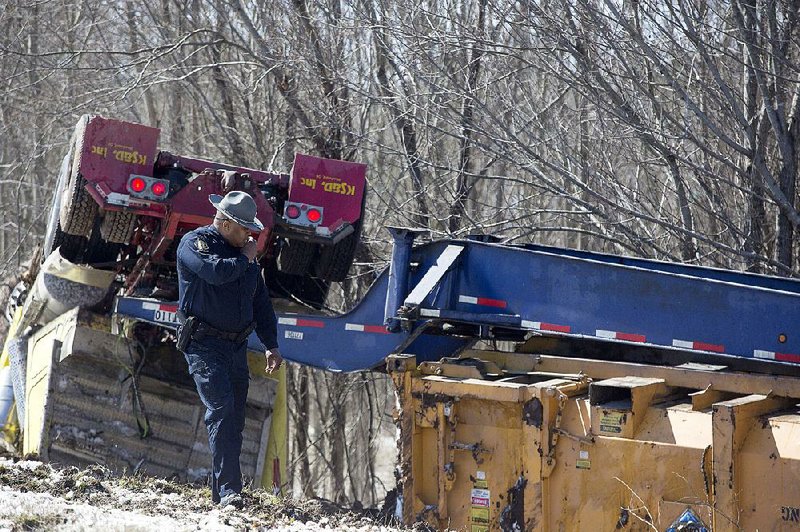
80, 408
506, 441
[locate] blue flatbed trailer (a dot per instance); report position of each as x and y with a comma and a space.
436, 299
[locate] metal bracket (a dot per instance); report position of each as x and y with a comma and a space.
430, 280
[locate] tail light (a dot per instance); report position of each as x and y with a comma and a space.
159, 188
141, 186
137, 184
314, 215
292, 212
302, 214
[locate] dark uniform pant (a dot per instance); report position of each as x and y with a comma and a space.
219, 369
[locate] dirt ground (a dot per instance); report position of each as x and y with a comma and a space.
38, 496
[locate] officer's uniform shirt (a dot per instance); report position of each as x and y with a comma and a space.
218, 285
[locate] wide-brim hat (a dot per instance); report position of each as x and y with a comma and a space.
238, 206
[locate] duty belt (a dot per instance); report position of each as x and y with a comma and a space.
197, 329
204, 330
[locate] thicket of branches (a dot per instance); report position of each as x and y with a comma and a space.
659, 129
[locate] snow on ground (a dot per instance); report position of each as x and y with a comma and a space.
37, 496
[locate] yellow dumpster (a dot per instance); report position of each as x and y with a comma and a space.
510, 441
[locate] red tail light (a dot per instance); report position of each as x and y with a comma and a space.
159, 188
292, 211
137, 184
313, 215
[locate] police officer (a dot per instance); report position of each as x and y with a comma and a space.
222, 299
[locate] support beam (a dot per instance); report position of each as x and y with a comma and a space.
731, 424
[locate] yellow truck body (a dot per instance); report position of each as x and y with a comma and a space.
84, 406
519, 441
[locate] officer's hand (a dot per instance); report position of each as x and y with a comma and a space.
250, 249
274, 360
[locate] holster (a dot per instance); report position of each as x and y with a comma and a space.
187, 327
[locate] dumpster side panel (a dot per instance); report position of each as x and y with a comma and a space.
769, 481
470, 458
637, 453
86, 407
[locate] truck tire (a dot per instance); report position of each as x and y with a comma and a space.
72, 246
335, 261
296, 256
78, 208
117, 226
82, 250
54, 236
304, 289
99, 250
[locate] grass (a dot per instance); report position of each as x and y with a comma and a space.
28, 522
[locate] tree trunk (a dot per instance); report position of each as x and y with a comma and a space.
466, 166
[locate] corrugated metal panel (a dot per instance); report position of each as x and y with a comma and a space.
90, 415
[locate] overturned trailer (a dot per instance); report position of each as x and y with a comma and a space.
90, 383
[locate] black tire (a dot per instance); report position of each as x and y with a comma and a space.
310, 291
71, 247
335, 261
53, 231
78, 208
296, 257
117, 226
82, 250
100, 251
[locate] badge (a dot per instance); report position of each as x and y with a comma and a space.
201, 245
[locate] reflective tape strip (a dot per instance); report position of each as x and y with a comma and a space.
311, 323
124, 200
300, 322
149, 305
484, 301
540, 326
430, 312
787, 357
616, 335
102, 188
357, 327
698, 346
781, 357
115, 198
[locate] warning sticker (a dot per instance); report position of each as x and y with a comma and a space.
480, 515
583, 460
480, 493
612, 422
479, 504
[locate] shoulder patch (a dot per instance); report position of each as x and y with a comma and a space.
201, 245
